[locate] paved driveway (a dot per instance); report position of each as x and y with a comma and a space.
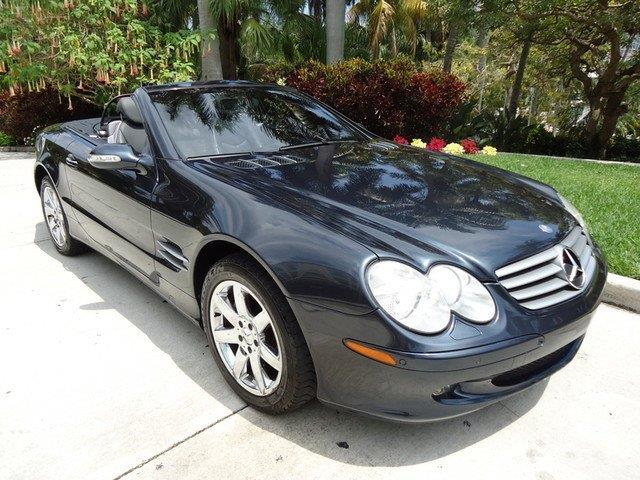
99, 378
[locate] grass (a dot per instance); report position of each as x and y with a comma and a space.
607, 195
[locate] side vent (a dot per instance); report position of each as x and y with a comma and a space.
172, 254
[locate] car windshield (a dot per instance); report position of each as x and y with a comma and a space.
226, 121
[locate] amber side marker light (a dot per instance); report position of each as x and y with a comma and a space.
370, 352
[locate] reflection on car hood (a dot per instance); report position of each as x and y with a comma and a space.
407, 198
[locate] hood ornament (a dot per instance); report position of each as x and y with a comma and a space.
572, 268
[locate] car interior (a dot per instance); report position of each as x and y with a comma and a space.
128, 129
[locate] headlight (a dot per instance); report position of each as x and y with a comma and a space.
424, 303
39, 145
574, 212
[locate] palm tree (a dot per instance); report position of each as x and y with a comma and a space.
387, 18
210, 48
335, 30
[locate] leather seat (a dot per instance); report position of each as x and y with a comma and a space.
131, 130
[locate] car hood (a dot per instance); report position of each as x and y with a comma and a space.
402, 201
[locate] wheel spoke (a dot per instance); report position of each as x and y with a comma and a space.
261, 321
240, 364
225, 309
238, 297
258, 374
269, 357
227, 335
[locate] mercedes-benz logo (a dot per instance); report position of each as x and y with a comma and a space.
572, 269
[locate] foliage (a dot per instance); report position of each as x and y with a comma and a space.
385, 96
6, 140
607, 195
453, 149
436, 144
91, 49
18, 119
470, 146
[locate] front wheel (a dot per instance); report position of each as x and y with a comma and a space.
56, 221
255, 338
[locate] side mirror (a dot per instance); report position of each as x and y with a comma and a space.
115, 156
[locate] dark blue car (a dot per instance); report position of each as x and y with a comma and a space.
321, 260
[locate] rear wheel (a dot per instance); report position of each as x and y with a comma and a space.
255, 338
56, 221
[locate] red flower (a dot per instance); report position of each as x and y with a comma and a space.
401, 140
469, 145
436, 144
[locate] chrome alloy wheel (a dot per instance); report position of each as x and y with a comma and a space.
246, 338
54, 216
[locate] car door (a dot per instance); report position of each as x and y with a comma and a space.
113, 207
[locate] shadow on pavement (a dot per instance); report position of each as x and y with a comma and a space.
314, 427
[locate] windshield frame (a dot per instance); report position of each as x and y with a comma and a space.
356, 127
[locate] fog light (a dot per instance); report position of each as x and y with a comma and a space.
440, 391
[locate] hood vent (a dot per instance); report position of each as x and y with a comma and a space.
264, 162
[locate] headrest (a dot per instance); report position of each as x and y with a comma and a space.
129, 110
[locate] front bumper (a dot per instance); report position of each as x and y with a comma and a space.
441, 383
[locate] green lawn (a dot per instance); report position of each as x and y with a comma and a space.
607, 195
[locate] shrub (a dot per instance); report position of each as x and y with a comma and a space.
453, 149
21, 114
436, 144
6, 140
469, 145
385, 96
626, 149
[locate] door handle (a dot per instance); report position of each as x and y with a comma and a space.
71, 161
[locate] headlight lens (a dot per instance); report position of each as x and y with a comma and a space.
424, 303
574, 212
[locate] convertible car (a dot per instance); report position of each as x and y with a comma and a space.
321, 260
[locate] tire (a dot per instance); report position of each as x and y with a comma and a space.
56, 221
295, 384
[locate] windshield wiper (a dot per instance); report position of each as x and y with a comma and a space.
316, 144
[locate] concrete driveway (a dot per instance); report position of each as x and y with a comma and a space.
99, 378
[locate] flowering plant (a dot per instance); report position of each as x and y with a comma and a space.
454, 149
469, 145
400, 140
489, 150
436, 144
417, 142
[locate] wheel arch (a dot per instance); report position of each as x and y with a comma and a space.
215, 247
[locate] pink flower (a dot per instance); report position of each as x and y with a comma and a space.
436, 144
400, 140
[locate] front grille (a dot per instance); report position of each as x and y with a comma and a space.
530, 370
541, 280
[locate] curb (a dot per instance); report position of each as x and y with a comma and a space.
17, 149
622, 292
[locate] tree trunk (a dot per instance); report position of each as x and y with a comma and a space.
482, 41
335, 30
450, 48
602, 120
228, 51
394, 42
211, 68
516, 88
316, 10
